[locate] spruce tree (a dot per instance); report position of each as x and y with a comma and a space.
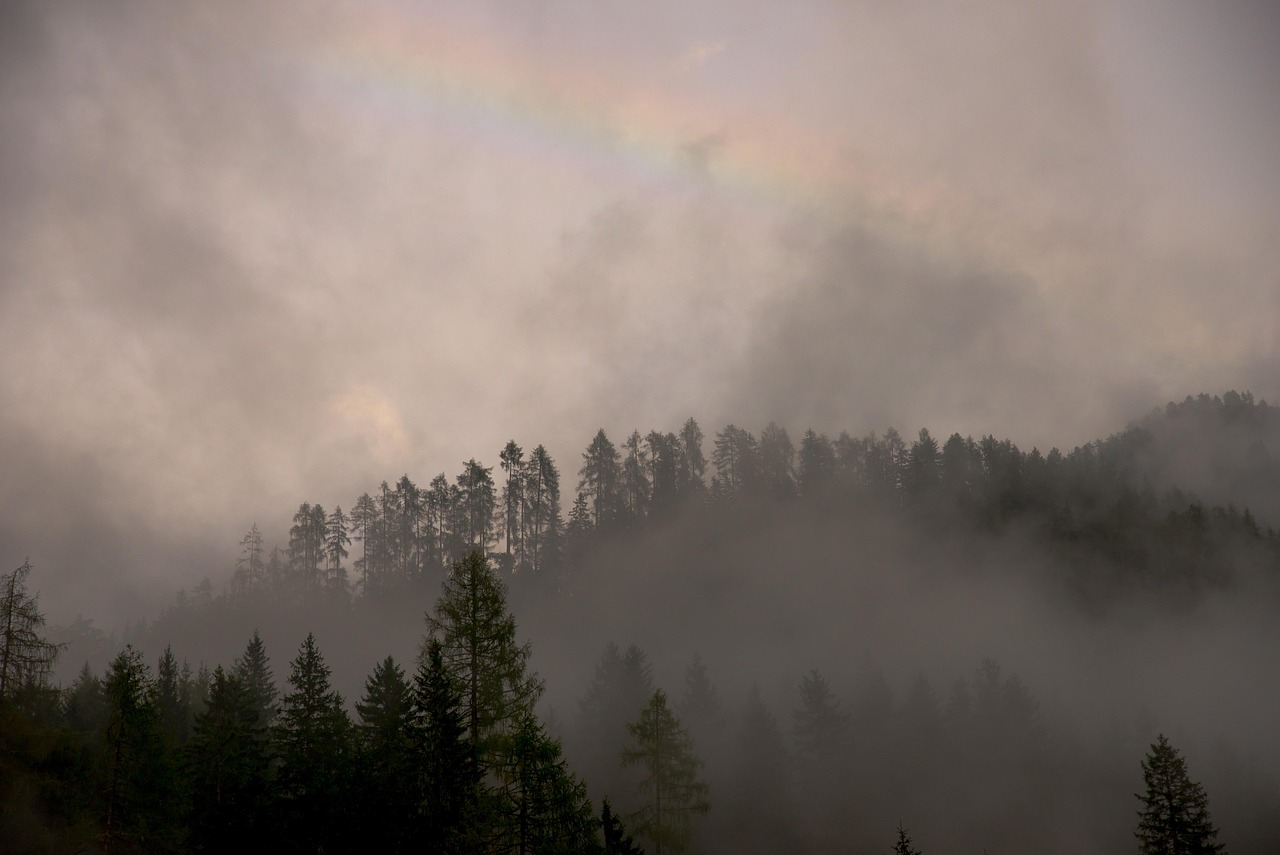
226, 768
253, 669
1174, 819
903, 845
616, 839
386, 758
137, 791
448, 776
313, 742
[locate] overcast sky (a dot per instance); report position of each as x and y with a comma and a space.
253, 254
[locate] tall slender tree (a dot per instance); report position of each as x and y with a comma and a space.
512, 461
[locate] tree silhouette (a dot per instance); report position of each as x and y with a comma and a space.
1174, 819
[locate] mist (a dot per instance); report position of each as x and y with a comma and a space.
254, 255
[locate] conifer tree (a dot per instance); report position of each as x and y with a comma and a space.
1174, 819
226, 769
616, 839
387, 763
541, 514
313, 743
173, 705
903, 845
599, 479
26, 657
137, 806
672, 790
619, 689
253, 669
448, 775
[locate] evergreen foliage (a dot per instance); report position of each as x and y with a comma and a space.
1174, 819
313, 743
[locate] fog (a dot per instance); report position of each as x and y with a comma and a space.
258, 254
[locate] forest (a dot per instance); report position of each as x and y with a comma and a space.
717, 644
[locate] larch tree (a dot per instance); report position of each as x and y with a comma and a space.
26, 657
478, 647
671, 787
1174, 819
336, 541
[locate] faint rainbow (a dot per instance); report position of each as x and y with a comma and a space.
568, 114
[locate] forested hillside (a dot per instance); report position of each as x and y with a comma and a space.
833, 633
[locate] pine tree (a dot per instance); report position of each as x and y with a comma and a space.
672, 790
1174, 819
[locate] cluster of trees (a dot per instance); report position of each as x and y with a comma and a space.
456, 759
1097, 505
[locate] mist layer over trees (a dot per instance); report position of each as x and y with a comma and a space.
808, 644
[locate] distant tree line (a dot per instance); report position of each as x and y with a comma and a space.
1096, 506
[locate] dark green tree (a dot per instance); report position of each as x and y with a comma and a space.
313, 743
387, 787
171, 700
226, 769
1174, 819
448, 775
253, 669
545, 808
672, 791
137, 804
616, 839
